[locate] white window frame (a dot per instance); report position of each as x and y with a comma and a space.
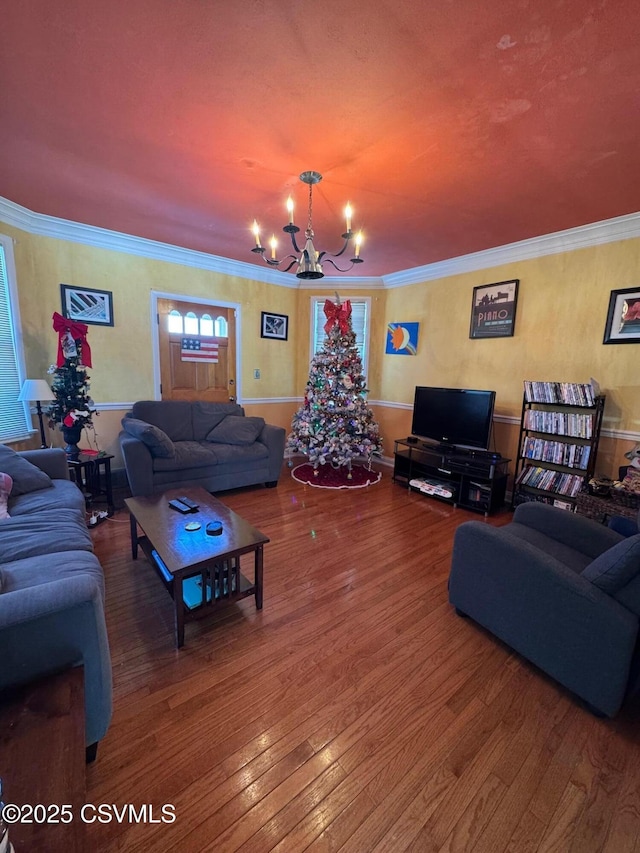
316, 336
15, 417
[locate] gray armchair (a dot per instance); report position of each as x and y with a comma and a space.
561, 590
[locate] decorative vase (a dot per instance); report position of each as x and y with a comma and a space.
71, 436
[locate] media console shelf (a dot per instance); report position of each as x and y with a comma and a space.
472, 480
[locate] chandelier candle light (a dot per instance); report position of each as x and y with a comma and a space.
309, 260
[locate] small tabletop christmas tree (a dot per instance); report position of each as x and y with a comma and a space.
334, 425
72, 406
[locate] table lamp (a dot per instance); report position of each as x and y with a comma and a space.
36, 390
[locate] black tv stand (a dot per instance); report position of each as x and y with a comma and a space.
473, 479
452, 450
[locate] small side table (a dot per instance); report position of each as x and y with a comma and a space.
92, 474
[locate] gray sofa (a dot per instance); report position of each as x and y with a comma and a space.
51, 585
560, 589
168, 443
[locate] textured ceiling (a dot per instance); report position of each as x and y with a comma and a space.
451, 126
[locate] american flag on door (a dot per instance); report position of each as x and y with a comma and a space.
199, 349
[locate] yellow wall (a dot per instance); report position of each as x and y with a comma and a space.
122, 355
560, 321
561, 312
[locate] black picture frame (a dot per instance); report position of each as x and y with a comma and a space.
623, 317
493, 309
87, 305
275, 326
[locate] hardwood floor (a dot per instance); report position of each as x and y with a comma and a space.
356, 711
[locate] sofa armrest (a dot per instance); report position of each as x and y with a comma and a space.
555, 618
53, 461
138, 463
580, 533
273, 437
48, 627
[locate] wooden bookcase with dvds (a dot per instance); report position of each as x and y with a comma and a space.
558, 442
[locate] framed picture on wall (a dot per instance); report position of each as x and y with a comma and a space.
87, 305
623, 317
274, 326
493, 309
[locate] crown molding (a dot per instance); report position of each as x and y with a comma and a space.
102, 238
595, 234
334, 282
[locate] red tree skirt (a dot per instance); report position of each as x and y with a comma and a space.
335, 478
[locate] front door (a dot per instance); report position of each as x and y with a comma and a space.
197, 360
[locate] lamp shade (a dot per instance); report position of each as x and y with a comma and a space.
35, 389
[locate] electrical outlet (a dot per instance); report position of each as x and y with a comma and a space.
256, 374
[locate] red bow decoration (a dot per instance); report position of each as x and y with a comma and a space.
78, 331
339, 314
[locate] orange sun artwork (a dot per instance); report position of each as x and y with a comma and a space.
397, 338
402, 338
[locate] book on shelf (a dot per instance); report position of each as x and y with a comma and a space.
549, 480
567, 393
559, 423
557, 452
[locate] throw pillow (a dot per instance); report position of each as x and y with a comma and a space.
616, 567
5, 490
158, 442
236, 429
26, 477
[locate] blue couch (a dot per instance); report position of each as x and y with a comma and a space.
51, 585
560, 589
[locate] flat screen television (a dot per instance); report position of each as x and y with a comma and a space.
454, 416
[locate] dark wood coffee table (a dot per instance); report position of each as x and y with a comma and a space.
198, 570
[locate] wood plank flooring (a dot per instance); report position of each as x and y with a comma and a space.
356, 712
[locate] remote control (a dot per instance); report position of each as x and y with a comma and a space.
188, 502
176, 504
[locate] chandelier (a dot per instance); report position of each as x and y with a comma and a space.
309, 260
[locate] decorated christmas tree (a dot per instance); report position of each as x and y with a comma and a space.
72, 408
335, 426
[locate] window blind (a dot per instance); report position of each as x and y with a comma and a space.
13, 418
359, 323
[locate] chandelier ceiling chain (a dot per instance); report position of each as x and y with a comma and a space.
309, 225
308, 260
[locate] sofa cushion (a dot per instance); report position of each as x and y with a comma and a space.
572, 559
62, 494
157, 440
206, 416
236, 430
29, 572
243, 455
189, 454
616, 567
26, 477
47, 532
172, 416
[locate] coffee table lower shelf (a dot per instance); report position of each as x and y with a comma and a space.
185, 588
